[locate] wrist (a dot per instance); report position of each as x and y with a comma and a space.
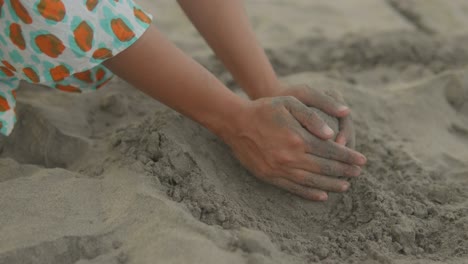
226, 121
264, 88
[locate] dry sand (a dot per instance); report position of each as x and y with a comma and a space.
114, 177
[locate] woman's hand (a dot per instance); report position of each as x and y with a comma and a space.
274, 138
329, 101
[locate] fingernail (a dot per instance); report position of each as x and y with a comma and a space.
345, 187
327, 131
363, 159
343, 108
323, 197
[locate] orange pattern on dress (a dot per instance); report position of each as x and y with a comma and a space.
84, 36
6, 71
16, 36
102, 84
31, 74
100, 74
4, 106
121, 30
102, 54
50, 45
68, 88
46, 41
8, 65
20, 11
84, 76
59, 73
91, 4
52, 9
141, 15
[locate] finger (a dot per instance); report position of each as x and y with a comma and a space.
335, 94
331, 105
300, 190
322, 166
341, 139
324, 102
319, 181
334, 151
310, 120
346, 132
346, 135
351, 143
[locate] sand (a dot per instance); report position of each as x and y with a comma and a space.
115, 177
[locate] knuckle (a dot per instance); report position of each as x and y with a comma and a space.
311, 181
313, 117
283, 158
300, 177
330, 152
334, 93
295, 140
291, 99
326, 169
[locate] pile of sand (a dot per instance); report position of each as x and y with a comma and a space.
115, 177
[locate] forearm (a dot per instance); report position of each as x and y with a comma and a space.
159, 69
226, 28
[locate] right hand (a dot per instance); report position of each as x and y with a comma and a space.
284, 143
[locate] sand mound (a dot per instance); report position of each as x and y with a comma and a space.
397, 208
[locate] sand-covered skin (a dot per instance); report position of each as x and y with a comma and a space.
118, 178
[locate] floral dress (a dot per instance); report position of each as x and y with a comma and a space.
62, 44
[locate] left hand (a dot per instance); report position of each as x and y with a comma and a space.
329, 101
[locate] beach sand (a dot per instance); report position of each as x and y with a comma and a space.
115, 177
